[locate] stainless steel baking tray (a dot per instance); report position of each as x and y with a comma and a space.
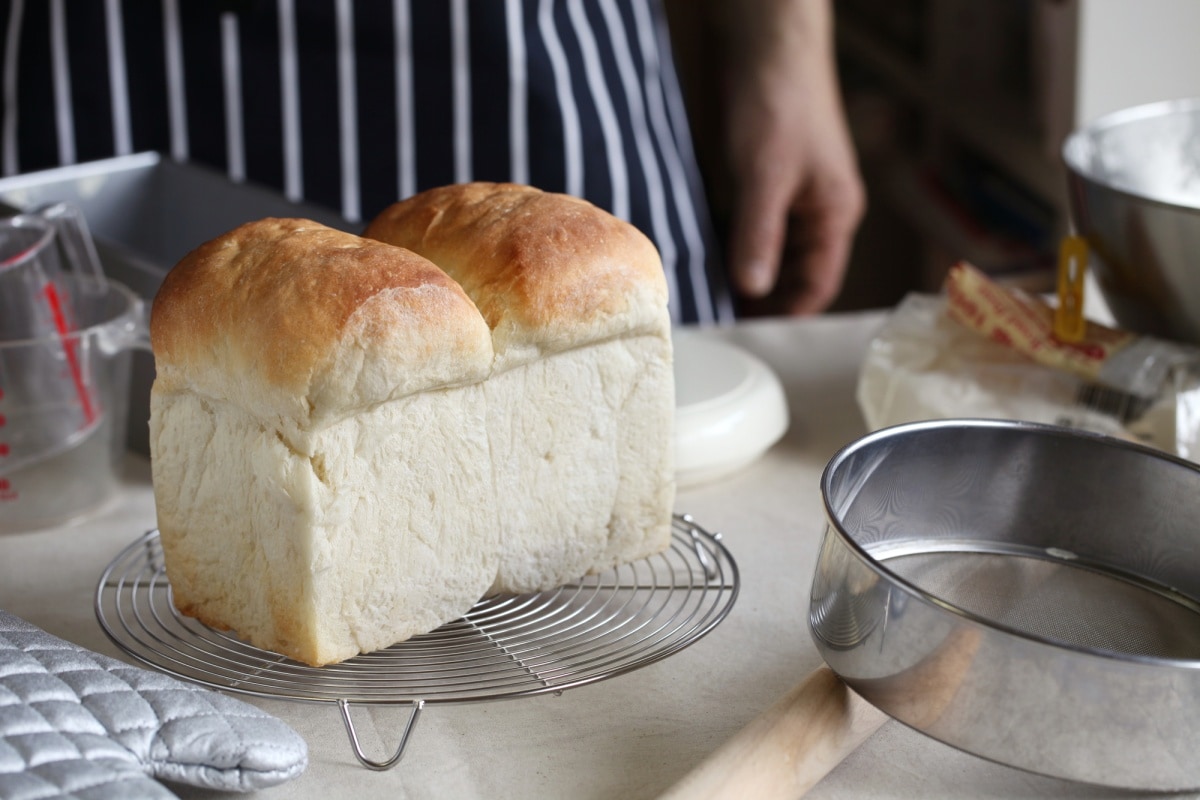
146, 212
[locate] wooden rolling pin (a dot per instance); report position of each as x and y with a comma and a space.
786, 750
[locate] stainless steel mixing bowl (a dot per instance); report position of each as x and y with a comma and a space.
1134, 181
1026, 593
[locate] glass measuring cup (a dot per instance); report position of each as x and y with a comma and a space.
36, 251
65, 333
81, 471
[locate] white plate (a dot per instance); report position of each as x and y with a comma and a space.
730, 408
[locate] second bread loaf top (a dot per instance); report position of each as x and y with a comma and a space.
549, 272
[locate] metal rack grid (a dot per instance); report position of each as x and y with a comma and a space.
505, 647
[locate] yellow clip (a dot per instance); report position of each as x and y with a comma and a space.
1069, 323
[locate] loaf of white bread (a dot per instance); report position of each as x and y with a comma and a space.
354, 439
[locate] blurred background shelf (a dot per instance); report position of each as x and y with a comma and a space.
992, 121
959, 110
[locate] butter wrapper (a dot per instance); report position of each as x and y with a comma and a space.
1118, 359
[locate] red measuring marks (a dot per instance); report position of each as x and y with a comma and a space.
6, 490
71, 349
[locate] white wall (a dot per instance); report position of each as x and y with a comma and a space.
1135, 51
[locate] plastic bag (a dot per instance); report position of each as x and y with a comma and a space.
923, 364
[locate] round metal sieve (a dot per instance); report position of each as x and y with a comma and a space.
1023, 592
1058, 601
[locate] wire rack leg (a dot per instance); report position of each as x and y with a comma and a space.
379, 766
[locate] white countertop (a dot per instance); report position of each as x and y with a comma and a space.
631, 736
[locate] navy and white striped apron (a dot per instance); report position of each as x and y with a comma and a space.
353, 105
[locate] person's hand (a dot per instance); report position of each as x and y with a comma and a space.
798, 196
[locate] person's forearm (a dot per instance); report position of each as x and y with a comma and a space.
783, 48
796, 192
752, 29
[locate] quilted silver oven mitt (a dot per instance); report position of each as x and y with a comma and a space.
77, 724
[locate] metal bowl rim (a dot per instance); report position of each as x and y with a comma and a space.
1115, 119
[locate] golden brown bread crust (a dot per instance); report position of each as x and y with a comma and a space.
546, 270
289, 317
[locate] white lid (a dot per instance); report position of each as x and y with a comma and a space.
730, 408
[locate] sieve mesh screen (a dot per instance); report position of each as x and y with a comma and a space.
1058, 600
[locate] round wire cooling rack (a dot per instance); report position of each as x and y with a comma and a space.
505, 647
